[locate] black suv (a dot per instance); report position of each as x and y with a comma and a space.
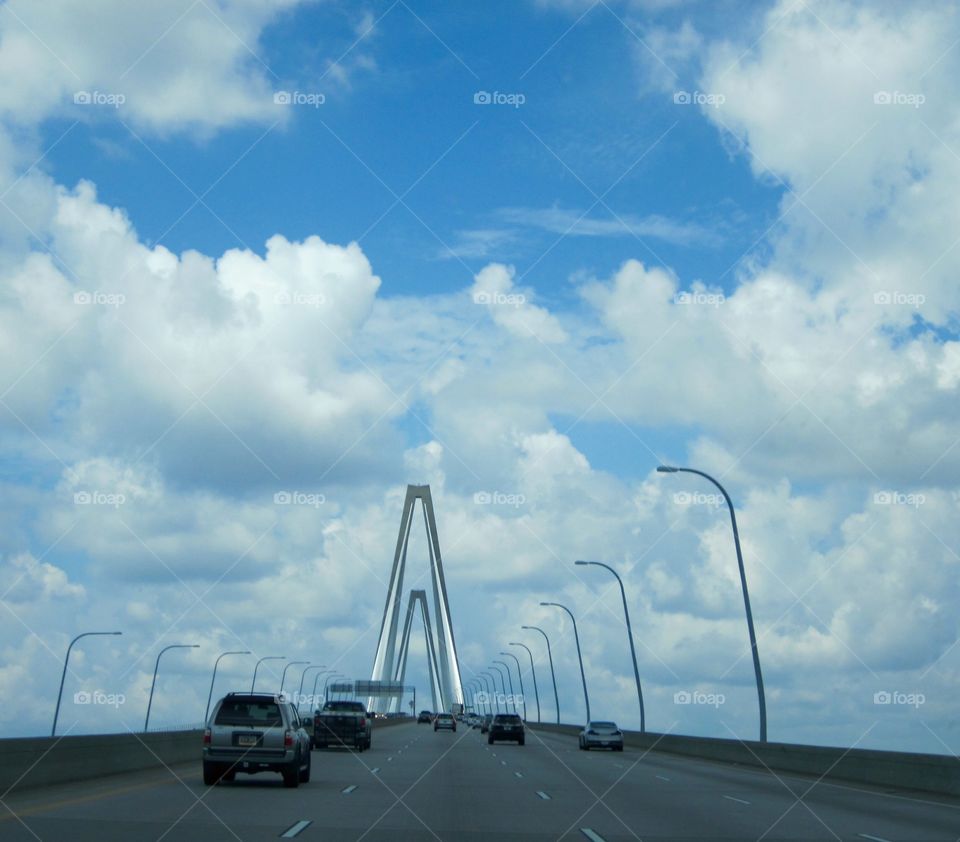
506, 726
425, 716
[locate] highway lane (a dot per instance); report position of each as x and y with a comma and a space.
416, 784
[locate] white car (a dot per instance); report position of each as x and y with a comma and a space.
445, 720
599, 734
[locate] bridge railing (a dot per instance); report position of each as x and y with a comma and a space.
904, 770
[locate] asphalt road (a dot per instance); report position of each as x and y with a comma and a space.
415, 784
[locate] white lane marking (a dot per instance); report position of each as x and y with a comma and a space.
389, 759
593, 837
375, 769
503, 762
295, 829
662, 778
518, 774
874, 838
543, 795
738, 800
349, 789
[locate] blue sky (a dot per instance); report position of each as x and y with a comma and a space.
781, 313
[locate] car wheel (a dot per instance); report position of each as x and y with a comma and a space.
521, 742
305, 772
211, 774
490, 741
229, 775
291, 776
619, 748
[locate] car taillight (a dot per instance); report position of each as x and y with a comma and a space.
206, 737
288, 738
363, 722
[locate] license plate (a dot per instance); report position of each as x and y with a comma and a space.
247, 740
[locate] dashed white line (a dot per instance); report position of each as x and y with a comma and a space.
295, 829
738, 800
593, 837
503, 762
543, 795
518, 774
873, 838
375, 769
662, 778
349, 789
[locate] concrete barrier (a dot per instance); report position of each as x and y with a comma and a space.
904, 770
37, 761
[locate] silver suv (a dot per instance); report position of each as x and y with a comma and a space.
255, 732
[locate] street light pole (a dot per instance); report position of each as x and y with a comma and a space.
303, 676
156, 667
665, 469
253, 683
576, 636
326, 684
283, 678
503, 686
490, 681
214, 677
513, 697
63, 677
533, 671
553, 674
633, 651
315, 682
523, 694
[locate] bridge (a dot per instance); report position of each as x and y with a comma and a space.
415, 783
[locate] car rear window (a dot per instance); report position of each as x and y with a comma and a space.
604, 726
262, 713
508, 717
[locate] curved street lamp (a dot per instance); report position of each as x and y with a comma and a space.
326, 684
315, 681
553, 675
157, 667
523, 694
253, 683
213, 678
66, 660
666, 469
513, 697
283, 678
503, 686
536, 692
576, 637
492, 694
633, 651
303, 675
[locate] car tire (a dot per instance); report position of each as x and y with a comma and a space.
291, 775
304, 774
521, 742
619, 748
229, 776
490, 741
211, 774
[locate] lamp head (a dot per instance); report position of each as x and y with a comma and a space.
666, 469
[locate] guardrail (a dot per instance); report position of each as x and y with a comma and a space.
904, 770
27, 762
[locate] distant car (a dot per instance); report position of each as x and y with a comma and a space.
445, 720
343, 722
506, 726
255, 732
425, 716
599, 734
485, 721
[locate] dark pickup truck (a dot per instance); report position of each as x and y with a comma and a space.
342, 724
